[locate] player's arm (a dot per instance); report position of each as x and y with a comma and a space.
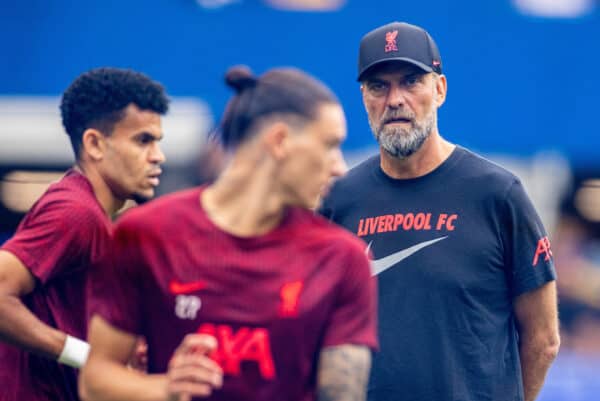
537, 321
343, 372
106, 377
18, 326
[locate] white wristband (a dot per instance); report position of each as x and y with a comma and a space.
74, 352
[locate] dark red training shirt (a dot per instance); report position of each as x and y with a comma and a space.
272, 301
63, 234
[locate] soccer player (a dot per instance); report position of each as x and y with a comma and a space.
467, 297
287, 296
113, 119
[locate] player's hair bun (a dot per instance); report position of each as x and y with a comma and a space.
279, 93
240, 78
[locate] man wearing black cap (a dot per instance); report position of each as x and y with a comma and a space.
467, 297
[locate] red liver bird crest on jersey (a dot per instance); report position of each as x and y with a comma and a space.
289, 295
390, 39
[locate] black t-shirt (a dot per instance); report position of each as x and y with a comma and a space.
451, 250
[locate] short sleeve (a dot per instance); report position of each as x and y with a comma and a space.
58, 237
527, 249
354, 316
113, 289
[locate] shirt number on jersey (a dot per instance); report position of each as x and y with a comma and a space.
187, 306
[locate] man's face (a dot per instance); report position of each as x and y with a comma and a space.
315, 157
401, 102
132, 158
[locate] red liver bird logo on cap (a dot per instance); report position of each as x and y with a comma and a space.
390, 39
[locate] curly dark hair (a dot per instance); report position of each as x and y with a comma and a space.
98, 98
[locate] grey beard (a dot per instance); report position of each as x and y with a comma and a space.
400, 142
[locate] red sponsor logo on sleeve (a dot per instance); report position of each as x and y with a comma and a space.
543, 248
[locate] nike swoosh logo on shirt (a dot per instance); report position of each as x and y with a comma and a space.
380, 265
185, 288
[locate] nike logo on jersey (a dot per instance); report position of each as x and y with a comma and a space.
185, 288
380, 265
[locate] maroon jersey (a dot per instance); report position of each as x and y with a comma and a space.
272, 301
61, 236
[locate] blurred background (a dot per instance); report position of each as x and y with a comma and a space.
523, 90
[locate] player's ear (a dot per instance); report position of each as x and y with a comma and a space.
276, 139
441, 87
93, 144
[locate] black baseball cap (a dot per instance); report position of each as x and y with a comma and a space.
398, 41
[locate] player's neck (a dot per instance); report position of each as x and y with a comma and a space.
109, 203
434, 151
242, 203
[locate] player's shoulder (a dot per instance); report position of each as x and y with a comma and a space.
321, 232
486, 171
359, 174
71, 198
355, 184
70, 187
166, 209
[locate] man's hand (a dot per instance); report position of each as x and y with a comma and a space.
191, 371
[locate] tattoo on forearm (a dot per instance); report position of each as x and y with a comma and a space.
343, 373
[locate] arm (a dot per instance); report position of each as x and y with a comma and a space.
343, 373
106, 377
537, 322
18, 326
